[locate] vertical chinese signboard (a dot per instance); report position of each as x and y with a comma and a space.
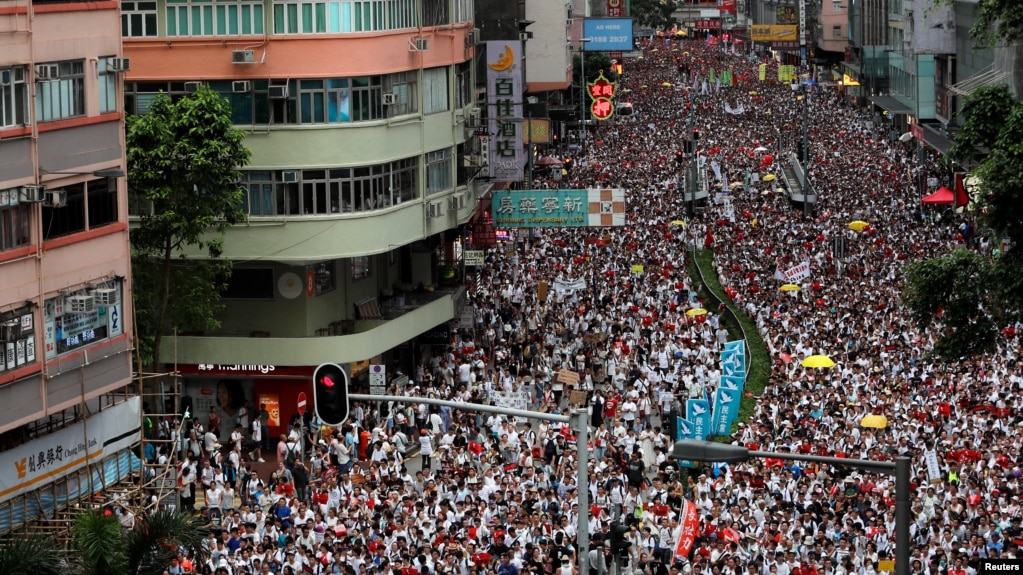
616, 9
601, 92
504, 110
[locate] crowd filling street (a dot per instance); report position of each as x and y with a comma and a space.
484, 494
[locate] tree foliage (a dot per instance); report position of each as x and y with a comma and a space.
36, 554
184, 158
977, 294
655, 14
998, 21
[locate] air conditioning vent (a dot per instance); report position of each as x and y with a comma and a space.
278, 92
47, 72
418, 45
105, 296
241, 87
31, 194
10, 331
81, 304
192, 87
473, 118
457, 202
289, 176
243, 57
569, 22
118, 64
390, 99
55, 198
473, 37
525, 36
435, 209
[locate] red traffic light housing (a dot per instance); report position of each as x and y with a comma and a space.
330, 394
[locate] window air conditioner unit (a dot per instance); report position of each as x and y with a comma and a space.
289, 176
47, 72
241, 86
568, 23
390, 99
31, 194
105, 296
525, 36
473, 118
118, 64
278, 92
458, 202
192, 87
473, 37
81, 304
435, 209
10, 331
418, 45
243, 57
55, 198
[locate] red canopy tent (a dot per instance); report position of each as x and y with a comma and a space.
942, 196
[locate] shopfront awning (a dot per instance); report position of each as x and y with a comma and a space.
935, 139
892, 104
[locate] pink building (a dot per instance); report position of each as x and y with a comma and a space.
65, 332
833, 33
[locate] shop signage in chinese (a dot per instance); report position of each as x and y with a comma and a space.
707, 24
62, 452
558, 208
504, 110
601, 92
615, 8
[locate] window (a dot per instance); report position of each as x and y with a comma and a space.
332, 191
69, 219
438, 171
17, 338
259, 193
13, 97
360, 267
209, 18
435, 12
463, 11
836, 31
74, 328
138, 19
366, 99
62, 94
14, 220
107, 87
435, 90
250, 283
102, 202
463, 85
836, 5
333, 16
403, 86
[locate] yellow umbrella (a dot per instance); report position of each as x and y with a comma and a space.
790, 287
643, 86
654, 50
678, 223
734, 185
753, 93
625, 90
874, 420
667, 84
769, 178
818, 361
696, 311
858, 225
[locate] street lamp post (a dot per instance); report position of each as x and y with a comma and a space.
696, 450
582, 92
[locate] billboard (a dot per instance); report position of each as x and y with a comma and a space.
727, 7
773, 33
607, 34
786, 15
558, 208
504, 110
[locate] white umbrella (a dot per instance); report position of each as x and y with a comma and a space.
906, 137
760, 149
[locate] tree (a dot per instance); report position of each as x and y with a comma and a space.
966, 295
184, 160
99, 546
655, 14
997, 21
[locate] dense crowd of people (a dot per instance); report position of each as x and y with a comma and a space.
493, 495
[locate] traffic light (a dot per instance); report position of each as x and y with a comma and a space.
696, 134
330, 394
619, 543
680, 157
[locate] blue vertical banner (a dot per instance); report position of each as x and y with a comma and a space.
698, 412
726, 410
733, 383
685, 430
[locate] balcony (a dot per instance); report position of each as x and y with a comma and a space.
337, 341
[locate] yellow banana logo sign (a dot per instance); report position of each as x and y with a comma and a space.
507, 60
